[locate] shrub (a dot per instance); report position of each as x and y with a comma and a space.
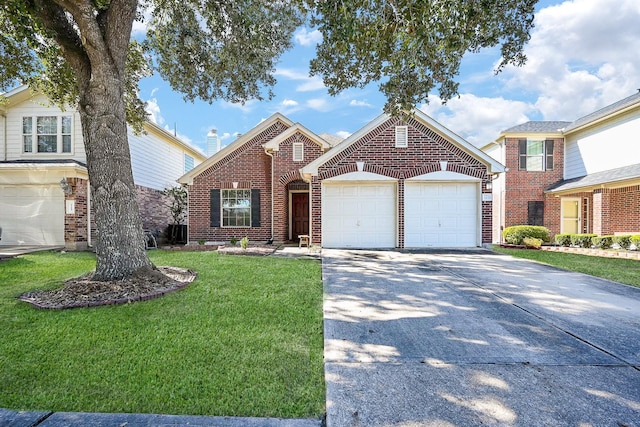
582, 240
635, 241
563, 239
516, 234
234, 241
602, 242
244, 242
623, 241
532, 242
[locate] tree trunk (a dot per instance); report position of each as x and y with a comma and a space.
120, 245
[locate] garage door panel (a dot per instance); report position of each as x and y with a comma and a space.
31, 215
361, 215
441, 214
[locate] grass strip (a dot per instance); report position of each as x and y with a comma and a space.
244, 339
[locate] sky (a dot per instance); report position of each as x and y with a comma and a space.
583, 55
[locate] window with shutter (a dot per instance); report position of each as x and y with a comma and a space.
535, 155
402, 137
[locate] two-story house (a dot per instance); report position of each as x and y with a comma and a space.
571, 177
44, 184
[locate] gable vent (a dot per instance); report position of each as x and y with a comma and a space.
298, 152
402, 137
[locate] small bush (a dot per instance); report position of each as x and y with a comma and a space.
563, 239
602, 242
635, 241
582, 240
623, 241
532, 242
244, 242
516, 234
234, 241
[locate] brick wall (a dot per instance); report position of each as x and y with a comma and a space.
617, 210
426, 149
75, 224
525, 186
154, 209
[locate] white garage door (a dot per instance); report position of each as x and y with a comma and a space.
32, 215
441, 214
358, 215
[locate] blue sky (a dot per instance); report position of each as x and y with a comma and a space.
583, 55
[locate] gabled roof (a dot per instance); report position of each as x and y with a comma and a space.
494, 165
274, 144
242, 139
610, 178
609, 110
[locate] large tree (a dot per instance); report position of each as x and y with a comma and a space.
80, 53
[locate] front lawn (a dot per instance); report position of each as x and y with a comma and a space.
619, 270
244, 339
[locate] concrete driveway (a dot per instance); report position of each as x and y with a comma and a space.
465, 338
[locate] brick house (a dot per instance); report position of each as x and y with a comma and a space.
44, 184
571, 177
391, 184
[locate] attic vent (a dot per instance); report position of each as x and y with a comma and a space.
402, 137
298, 152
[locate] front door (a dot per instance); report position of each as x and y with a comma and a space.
570, 216
299, 214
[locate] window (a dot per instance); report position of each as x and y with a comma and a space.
236, 208
535, 213
188, 163
535, 155
402, 137
46, 134
298, 152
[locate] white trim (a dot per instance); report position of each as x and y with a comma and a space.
298, 152
359, 176
444, 176
578, 200
402, 136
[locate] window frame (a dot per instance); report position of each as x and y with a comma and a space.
402, 137
299, 151
189, 163
225, 220
546, 157
31, 133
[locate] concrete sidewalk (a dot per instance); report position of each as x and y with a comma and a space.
472, 338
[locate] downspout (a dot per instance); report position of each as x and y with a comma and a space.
272, 192
4, 137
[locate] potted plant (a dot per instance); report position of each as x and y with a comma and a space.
177, 203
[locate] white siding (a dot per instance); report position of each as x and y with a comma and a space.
611, 145
38, 106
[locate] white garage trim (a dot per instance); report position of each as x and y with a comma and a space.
359, 214
442, 213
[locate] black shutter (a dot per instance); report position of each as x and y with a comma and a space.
548, 152
522, 150
215, 208
255, 208
535, 213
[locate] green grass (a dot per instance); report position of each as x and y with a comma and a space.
244, 339
619, 270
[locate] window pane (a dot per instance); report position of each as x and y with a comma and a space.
66, 143
27, 143
27, 125
66, 125
535, 148
47, 125
534, 163
236, 208
47, 144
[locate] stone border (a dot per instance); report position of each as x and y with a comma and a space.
634, 255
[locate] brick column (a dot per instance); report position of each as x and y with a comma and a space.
602, 212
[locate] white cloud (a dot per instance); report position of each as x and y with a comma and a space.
356, 103
343, 134
479, 120
153, 110
289, 103
179, 135
246, 108
308, 83
305, 37
318, 104
579, 57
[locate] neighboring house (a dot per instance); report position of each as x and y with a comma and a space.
42, 151
571, 177
392, 184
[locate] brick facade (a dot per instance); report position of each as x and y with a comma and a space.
616, 210
523, 186
426, 149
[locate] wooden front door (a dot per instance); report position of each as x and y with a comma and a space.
299, 214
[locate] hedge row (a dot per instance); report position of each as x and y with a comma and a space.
599, 242
516, 234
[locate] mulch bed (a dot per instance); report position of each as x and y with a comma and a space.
251, 250
84, 292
